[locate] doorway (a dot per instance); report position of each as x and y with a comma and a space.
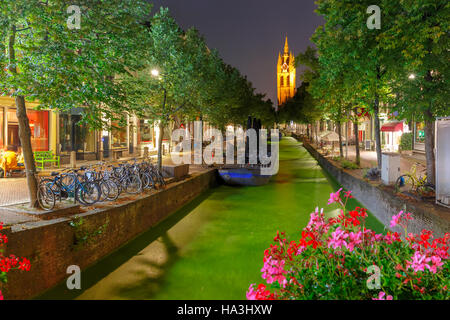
13, 135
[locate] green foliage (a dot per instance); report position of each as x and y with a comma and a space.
301, 108
193, 80
346, 164
65, 69
82, 235
406, 142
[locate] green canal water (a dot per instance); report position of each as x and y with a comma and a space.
213, 247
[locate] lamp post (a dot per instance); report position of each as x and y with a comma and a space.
156, 74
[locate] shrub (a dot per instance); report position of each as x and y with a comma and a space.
406, 141
335, 259
373, 174
9, 263
349, 165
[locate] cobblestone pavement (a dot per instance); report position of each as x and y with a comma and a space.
13, 191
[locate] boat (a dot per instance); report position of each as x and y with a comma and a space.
244, 175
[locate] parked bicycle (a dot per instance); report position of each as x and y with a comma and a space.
417, 184
99, 183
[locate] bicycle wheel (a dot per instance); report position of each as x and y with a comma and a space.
403, 181
46, 197
90, 192
114, 190
426, 191
133, 184
147, 181
105, 189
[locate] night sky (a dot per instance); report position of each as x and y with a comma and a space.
249, 33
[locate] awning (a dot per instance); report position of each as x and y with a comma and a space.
392, 127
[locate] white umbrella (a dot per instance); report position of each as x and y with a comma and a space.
331, 137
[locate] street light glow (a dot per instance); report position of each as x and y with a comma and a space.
412, 76
155, 73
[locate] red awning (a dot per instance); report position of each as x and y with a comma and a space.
392, 127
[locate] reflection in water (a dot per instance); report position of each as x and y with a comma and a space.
213, 247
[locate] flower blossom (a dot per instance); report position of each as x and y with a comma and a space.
381, 296
400, 219
273, 270
335, 197
354, 239
338, 238
259, 294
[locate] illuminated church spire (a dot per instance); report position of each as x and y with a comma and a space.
286, 75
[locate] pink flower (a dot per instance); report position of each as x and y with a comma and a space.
259, 294
1, 295
337, 238
317, 222
419, 262
251, 293
273, 271
354, 239
400, 219
381, 296
335, 197
436, 262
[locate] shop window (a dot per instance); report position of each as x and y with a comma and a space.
38, 125
119, 136
75, 136
420, 132
2, 143
145, 132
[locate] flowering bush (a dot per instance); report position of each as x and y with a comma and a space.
340, 259
9, 263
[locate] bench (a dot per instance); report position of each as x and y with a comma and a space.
43, 157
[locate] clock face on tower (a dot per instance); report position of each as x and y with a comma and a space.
284, 67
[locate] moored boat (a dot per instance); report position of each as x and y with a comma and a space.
244, 176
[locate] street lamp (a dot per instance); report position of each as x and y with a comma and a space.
155, 72
412, 76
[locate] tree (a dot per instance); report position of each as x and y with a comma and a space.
42, 59
349, 49
173, 80
421, 87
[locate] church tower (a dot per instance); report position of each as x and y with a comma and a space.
286, 74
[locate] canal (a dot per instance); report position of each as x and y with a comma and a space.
213, 247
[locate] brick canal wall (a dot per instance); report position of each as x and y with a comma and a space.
50, 244
384, 204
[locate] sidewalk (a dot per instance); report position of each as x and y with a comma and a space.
15, 191
369, 160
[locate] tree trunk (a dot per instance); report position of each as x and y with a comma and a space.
160, 140
25, 140
346, 139
429, 147
377, 130
358, 154
341, 149
24, 128
316, 127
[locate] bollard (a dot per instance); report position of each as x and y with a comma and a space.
73, 159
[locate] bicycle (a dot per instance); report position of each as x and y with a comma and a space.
418, 184
71, 184
46, 197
